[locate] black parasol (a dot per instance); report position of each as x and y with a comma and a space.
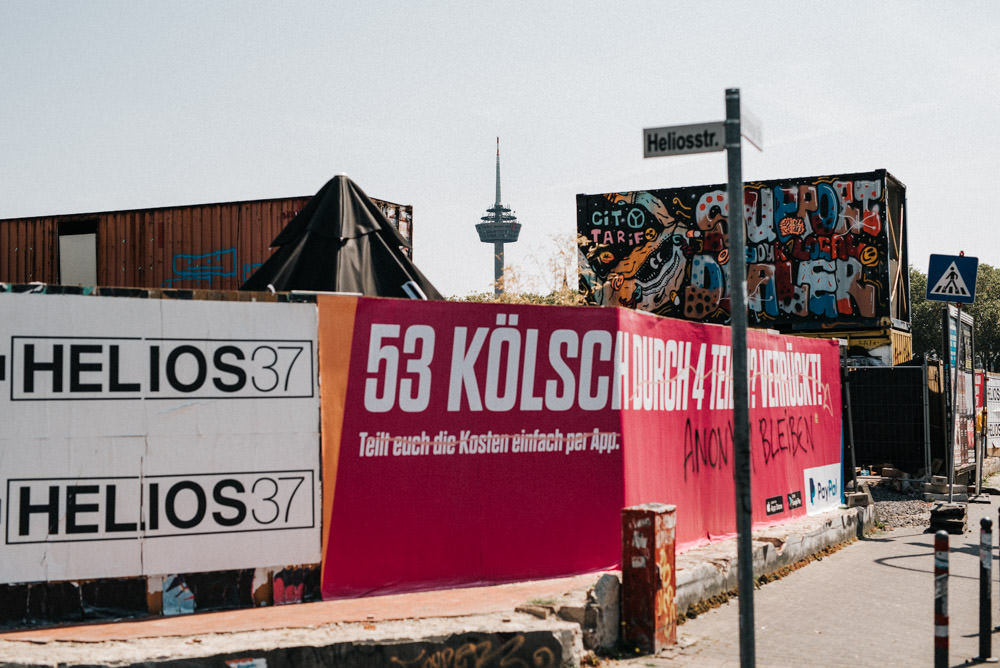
341, 242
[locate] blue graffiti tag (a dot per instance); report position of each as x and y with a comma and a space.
205, 267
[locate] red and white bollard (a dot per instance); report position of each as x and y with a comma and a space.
985, 591
941, 599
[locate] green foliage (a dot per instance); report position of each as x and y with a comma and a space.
555, 272
926, 318
986, 311
559, 297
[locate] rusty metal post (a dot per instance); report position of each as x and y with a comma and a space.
649, 612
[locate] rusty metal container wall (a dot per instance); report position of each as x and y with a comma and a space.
209, 246
213, 246
27, 250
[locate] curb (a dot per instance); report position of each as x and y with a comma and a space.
495, 639
711, 570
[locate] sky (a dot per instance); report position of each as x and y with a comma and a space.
125, 105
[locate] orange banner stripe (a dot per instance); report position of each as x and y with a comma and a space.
336, 333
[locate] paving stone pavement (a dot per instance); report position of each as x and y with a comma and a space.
869, 604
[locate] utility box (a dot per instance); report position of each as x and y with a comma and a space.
649, 578
823, 252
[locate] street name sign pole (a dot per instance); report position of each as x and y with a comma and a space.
702, 138
741, 409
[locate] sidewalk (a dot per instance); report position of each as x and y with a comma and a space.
421, 605
541, 622
870, 604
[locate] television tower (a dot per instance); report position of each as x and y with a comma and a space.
499, 227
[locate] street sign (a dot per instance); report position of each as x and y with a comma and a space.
952, 278
751, 128
683, 139
705, 138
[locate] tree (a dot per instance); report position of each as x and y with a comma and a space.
546, 279
986, 312
926, 318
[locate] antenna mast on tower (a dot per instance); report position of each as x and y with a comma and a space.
498, 226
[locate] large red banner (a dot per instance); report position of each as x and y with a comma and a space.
678, 431
474, 443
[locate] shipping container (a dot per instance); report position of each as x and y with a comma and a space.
203, 246
823, 253
888, 346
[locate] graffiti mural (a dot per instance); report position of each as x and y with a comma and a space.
819, 250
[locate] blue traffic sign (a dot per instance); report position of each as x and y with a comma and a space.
952, 278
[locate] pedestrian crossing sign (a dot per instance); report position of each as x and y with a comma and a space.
952, 278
